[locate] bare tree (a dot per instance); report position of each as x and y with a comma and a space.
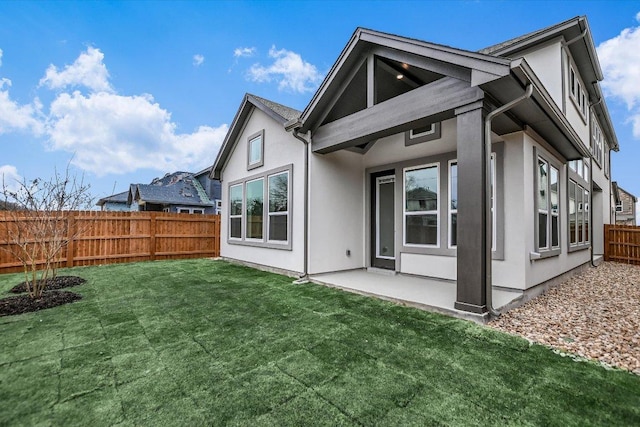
36, 227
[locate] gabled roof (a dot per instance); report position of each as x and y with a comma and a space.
114, 198
577, 34
179, 188
278, 112
475, 67
617, 190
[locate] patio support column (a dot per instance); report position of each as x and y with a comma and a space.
474, 210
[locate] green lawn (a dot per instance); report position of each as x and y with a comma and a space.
200, 342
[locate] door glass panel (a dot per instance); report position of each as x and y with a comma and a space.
385, 216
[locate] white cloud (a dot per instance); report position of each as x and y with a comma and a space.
289, 70
14, 117
244, 52
10, 179
620, 61
88, 70
198, 60
110, 133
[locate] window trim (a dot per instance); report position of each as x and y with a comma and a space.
430, 212
263, 243
251, 138
246, 224
582, 186
270, 214
577, 93
549, 250
620, 207
241, 216
411, 139
450, 210
189, 210
494, 204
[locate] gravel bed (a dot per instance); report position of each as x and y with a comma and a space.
595, 315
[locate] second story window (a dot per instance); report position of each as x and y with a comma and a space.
577, 92
255, 150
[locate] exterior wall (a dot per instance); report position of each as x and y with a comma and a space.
509, 272
546, 62
579, 123
336, 212
541, 270
115, 207
280, 149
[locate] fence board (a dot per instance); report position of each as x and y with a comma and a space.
622, 243
115, 237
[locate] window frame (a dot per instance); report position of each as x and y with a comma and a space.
494, 204
597, 142
435, 165
250, 139
620, 207
549, 250
246, 216
412, 139
577, 93
582, 207
270, 214
240, 216
264, 242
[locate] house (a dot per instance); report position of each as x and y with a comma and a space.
486, 170
115, 202
181, 192
625, 206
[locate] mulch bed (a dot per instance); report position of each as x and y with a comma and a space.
25, 304
51, 297
59, 282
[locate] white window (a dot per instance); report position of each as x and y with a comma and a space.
254, 209
548, 206
597, 141
453, 203
421, 194
576, 89
255, 150
218, 207
198, 211
619, 207
235, 211
578, 214
183, 210
278, 212
423, 131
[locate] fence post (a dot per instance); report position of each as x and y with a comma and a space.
152, 237
71, 244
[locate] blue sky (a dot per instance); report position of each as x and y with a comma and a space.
128, 91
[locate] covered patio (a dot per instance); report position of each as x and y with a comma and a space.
421, 292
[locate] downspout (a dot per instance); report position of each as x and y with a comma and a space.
305, 274
591, 209
487, 142
593, 104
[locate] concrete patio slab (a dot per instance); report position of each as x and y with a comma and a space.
420, 292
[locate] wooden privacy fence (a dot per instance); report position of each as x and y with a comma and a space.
622, 243
115, 237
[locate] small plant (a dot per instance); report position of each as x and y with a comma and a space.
36, 223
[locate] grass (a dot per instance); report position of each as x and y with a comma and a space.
199, 342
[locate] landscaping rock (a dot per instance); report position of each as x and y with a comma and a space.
595, 315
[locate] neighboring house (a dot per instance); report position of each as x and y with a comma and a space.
182, 192
483, 168
116, 202
625, 206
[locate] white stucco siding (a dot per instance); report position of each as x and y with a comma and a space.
280, 149
392, 148
441, 267
546, 62
336, 212
509, 272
